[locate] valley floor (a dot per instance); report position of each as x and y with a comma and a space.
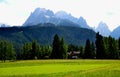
61, 68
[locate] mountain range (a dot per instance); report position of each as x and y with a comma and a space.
104, 30
42, 15
43, 24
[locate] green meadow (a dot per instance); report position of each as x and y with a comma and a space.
61, 68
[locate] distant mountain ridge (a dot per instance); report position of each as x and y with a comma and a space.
41, 15
4, 25
103, 29
116, 33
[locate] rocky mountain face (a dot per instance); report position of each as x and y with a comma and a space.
41, 15
103, 29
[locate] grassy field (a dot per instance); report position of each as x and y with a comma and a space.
61, 68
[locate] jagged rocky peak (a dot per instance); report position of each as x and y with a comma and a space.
82, 22
61, 14
43, 11
65, 15
102, 25
42, 15
103, 29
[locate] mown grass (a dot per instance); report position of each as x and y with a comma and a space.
61, 68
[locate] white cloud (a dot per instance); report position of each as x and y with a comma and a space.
15, 12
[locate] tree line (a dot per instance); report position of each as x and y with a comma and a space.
102, 48
7, 51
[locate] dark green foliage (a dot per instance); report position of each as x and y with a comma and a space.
44, 33
45, 52
106, 47
63, 49
72, 47
35, 49
100, 49
93, 50
56, 48
7, 51
119, 46
59, 48
112, 51
21, 37
81, 52
88, 53
106, 42
11, 52
30, 50
26, 51
119, 43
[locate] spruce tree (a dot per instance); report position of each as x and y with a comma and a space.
93, 53
35, 49
31, 50
11, 52
112, 48
26, 51
45, 52
63, 49
56, 47
59, 48
100, 49
119, 43
88, 54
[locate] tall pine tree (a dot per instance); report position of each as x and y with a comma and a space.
26, 51
112, 48
63, 49
35, 49
59, 48
88, 53
93, 53
100, 49
56, 47
119, 43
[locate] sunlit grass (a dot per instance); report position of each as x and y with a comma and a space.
61, 68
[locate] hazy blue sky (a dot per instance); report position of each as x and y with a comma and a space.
15, 12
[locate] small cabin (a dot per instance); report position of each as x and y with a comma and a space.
73, 54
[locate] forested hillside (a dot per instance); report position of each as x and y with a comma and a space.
44, 33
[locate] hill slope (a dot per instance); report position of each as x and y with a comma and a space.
44, 34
